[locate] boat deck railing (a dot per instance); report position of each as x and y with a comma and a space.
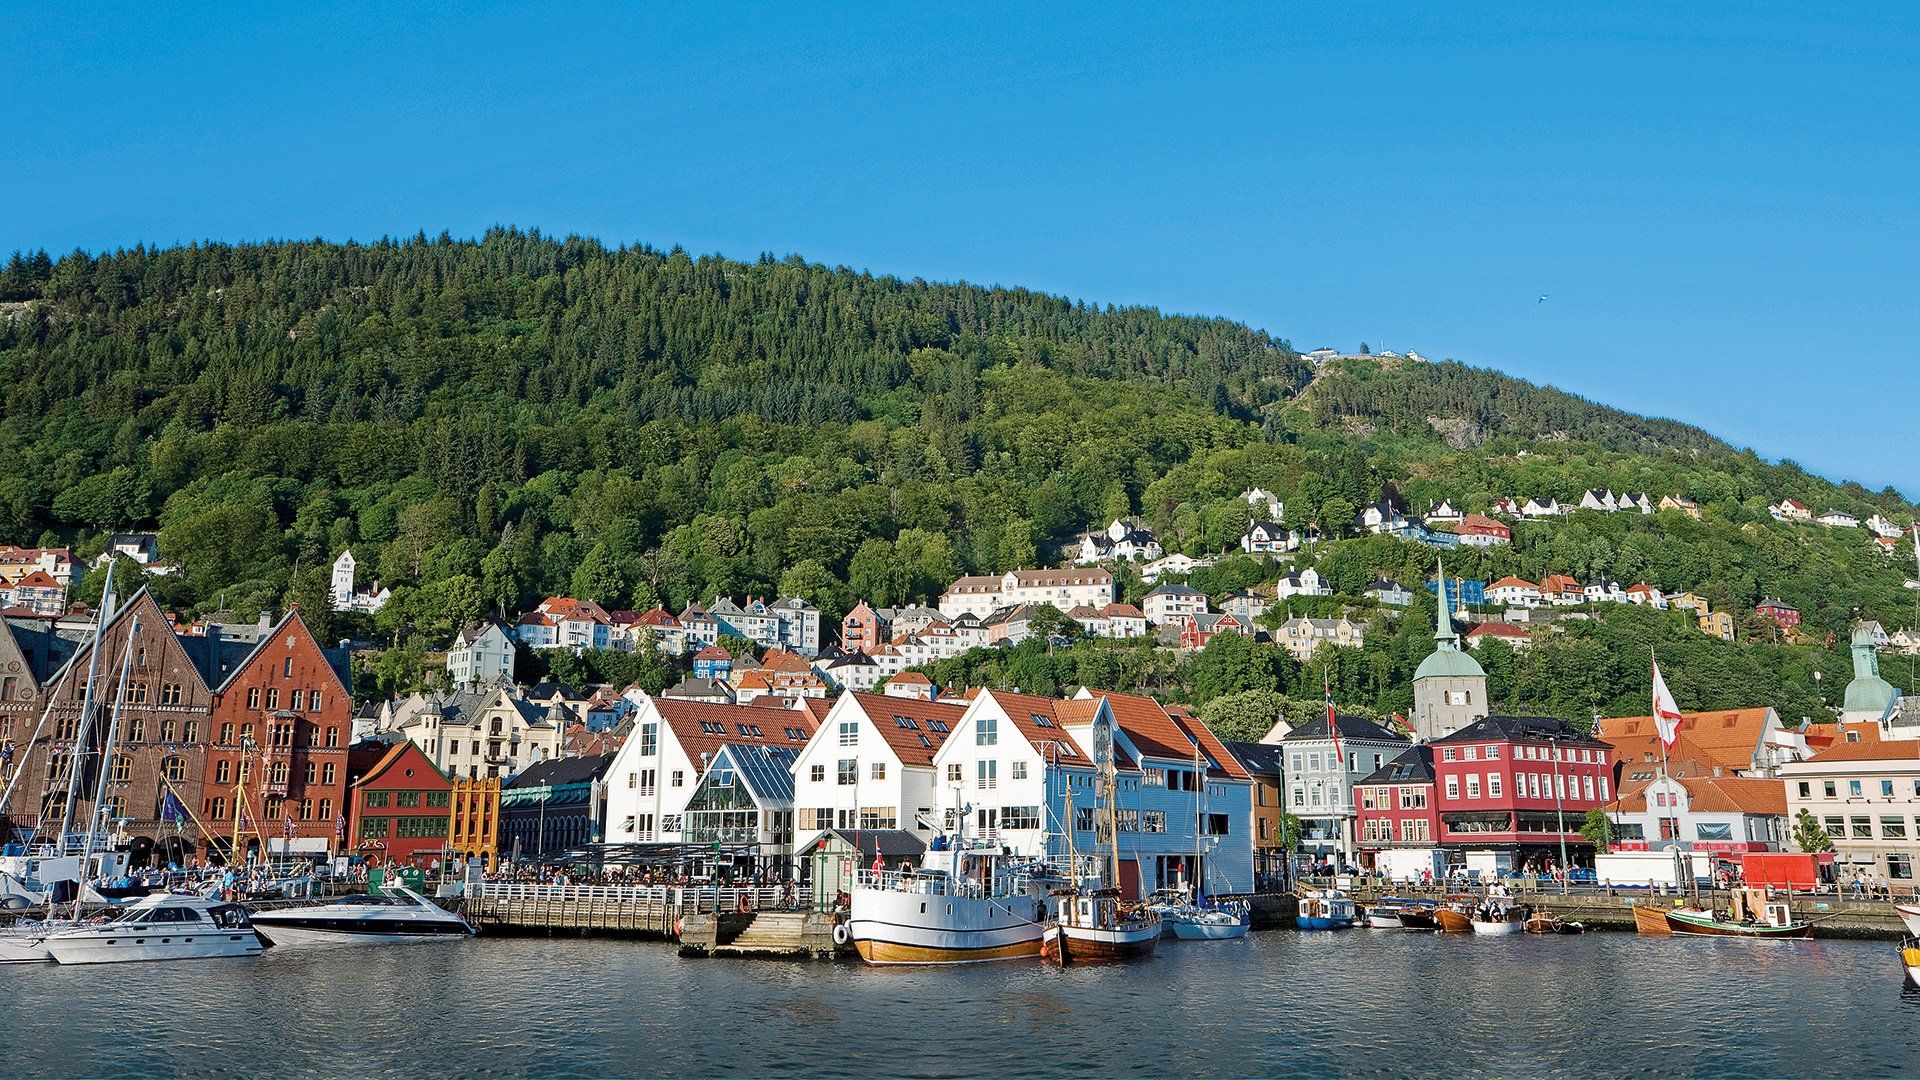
685, 899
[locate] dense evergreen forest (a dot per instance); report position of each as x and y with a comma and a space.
486, 422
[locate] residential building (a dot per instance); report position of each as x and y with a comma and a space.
1884, 527
1268, 538
1780, 613
1865, 790
1838, 519
1479, 530
1645, 595
1304, 582
1064, 589
491, 731
1122, 540
1396, 806
1263, 765
1388, 592
1246, 606
1175, 564
1300, 635
1514, 592
561, 622
481, 653
1516, 636
1598, 500
1119, 621
870, 766
1537, 508
863, 629
799, 625
1173, 602
1320, 778
1724, 815
1717, 624
1561, 590
1198, 630
1520, 784
1790, 510
1445, 511
655, 772
1264, 502
713, 662
37, 593
1385, 516
58, 562
1684, 505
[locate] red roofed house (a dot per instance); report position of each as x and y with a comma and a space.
671, 743
1865, 789
1514, 592
1727, 742
39, 593
1498, 631
912, 684
1560, 590
1479, 530
1781, 614
406, 812
1725, 815
870, 768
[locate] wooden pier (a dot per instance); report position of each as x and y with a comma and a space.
642, 911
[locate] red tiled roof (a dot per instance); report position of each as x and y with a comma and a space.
1512, 583
685, 717
906, 742
1716, 795
1155, 732
1499, 630
1862, 742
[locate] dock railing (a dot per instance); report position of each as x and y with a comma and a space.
683, 899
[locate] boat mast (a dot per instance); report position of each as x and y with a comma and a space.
1199, 816
106, 767
86, 705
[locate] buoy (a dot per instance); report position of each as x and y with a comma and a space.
680, 927
841, 935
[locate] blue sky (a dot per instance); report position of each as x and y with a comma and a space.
1720, 201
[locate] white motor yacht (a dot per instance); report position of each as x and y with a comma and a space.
400, 915
163, 926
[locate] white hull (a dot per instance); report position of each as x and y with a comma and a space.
1380, 920
1910, 914
102, 947
27, 944
1207, 931
1497, 929
297, 935
888, 926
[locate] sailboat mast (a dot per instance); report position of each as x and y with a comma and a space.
106, 768
86, 706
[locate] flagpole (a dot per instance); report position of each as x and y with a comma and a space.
1654, 697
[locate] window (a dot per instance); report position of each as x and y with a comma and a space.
1019, 770
648, 781
174, 769
1893, 828
1153, 821
1493, 753
137, 730
122, 768
1217, 825
1714, 830
313, 701
954, 773
333, 736
1806, 790
1853, 789
680, 777
649, 739
1862, 828
373, 828
438, 799
312, 772
1836, 827
1446, 753
326, 773
306, 809
986, 731
223, 771
849, 733
817, 774
1886, 789
1473, 785
1453, 788
1828, 785
1021, 817
849, 772
190, 731
878, 771
299, 699
1899, 866
878, 817
1470, 753
375, 800
1413, 798
408, 799
989, 775
253, 697
273, 698
1493, 785
286, 668
326, 809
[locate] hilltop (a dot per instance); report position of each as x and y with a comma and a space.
488, 422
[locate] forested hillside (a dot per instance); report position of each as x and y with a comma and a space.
490, 421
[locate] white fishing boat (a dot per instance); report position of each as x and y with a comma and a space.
1211, 922
401, 915
164, 926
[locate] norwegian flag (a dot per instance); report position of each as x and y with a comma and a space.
1666, 711
340, 826
289, 826
1333, 726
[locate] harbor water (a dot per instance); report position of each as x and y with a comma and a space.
1275, 1002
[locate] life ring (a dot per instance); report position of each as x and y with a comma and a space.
841, 935
680, 927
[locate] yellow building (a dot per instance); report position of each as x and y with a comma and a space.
1717, 623
473, 831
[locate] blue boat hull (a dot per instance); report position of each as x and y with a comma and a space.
1316, 922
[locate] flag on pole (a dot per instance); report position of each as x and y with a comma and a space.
1333, 725
1666, 712
289, 826
340, 826
171, 809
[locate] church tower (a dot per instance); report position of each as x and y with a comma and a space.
1449, 687
1869, 697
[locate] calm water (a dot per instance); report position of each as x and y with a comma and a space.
1277, 1002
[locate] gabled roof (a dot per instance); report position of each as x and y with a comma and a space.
1351, 727
1415, 766
554, 772
1726, 738
1050, 740
931, 722
887, 843
728, 724
1715, 795
1260, 760
1157, 731
1862, 742
1174, 588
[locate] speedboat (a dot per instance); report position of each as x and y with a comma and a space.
1092, 925
1325, 909
1210, 921
1419, 915
1910, 956
400, 915
162, 926
1392, 912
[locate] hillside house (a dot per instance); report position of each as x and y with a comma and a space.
1479, 530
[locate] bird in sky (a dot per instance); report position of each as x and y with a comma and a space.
1542, 300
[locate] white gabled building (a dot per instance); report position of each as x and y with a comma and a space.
480, 654
1173, 602
1067, 589
870, 766
1268, 538
1017, 760
1301, 583
657, 769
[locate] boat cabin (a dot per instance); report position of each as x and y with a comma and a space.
1755, 906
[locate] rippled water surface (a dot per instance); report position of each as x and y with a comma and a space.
1277, 1002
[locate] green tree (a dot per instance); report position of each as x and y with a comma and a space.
1232, 663
1245, 716
1809, 835
1598, 830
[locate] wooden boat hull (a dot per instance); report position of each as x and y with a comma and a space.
895, 927
1089, 945
882, 953
1544, 924
1651, 920
1418, 919
1453, 922
1701, 924
1382, 919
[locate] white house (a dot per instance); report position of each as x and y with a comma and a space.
1175, 563
1245, 606
346, 597
1726, 814
1268, 538
481, 653
1598, 500
1173, 602
1064, 589
1514, 592
870, 766
672, 742
1548, 507
487, 732
1790, 510
1301, 583
1838, 519
1024, 765
1646, 595
1883, 527
799, 625
1264, 502
1121, 540
1388, 592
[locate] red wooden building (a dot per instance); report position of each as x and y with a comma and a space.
402, 809
1520, 784
1781, 614
1396, 806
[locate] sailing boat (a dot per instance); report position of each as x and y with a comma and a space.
1203, 920
1095, 924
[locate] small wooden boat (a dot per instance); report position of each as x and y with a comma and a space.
1419, 916
1095, 926
1752, 914
1326, 909
1910, 956
1384, 917
1648, 919
1453, 918
1494, 919
1546, 922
